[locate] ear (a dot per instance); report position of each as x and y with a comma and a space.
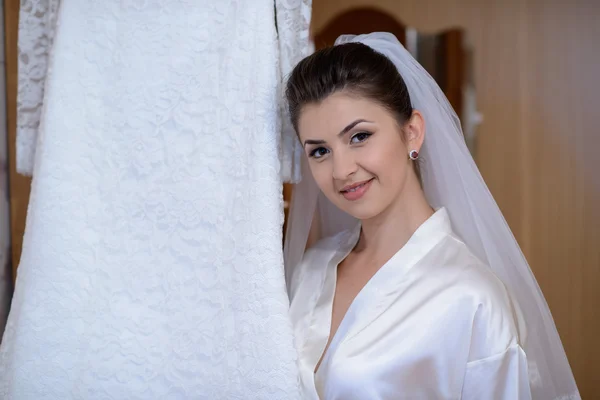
415, 131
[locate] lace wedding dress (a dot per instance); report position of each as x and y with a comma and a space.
152, 263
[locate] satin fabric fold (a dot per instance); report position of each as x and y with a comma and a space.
432, 323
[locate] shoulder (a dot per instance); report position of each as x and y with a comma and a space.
454, 261
495, 314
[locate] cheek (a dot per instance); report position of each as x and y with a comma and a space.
322, 175
388, 163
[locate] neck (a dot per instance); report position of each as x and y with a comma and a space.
382, 236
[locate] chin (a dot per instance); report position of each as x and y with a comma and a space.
362, 211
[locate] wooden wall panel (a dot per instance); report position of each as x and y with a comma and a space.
536, 70
561, 68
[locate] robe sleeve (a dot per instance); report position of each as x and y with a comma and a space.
293, 22
497, 367
503, 376
37, 25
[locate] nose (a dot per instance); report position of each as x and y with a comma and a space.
344, 165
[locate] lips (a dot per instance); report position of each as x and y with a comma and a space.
356, 190
355, 186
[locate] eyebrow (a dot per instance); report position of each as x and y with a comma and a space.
342, 132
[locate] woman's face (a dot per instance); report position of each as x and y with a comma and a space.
358, 154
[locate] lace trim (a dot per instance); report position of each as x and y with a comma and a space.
293, 20
37, 25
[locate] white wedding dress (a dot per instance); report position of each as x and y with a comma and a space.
152, 263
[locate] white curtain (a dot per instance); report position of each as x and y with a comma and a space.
5, 274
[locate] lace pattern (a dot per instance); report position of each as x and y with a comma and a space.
293, 20
37, 25
152, 264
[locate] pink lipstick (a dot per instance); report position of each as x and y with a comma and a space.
356, 190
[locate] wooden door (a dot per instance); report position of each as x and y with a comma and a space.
359, 21
446, 47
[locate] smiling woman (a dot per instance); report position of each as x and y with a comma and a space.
361, 116
409, 302
364, 159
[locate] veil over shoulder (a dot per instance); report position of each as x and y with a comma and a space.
451, 179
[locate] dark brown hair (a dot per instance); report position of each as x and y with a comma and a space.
354, 68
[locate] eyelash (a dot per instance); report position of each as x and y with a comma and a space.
313, 153
366, 135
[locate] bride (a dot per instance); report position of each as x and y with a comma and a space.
426, 295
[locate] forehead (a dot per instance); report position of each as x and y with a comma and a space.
336, 112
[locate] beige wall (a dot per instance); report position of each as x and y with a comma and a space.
537, 67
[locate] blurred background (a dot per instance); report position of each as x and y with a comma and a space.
523, 77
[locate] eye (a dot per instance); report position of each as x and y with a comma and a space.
360, 137
318, 152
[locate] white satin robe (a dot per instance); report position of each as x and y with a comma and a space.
432, 323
